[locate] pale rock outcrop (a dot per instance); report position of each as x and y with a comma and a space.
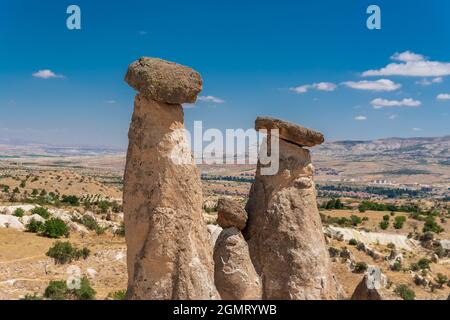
11, 222
400, 241
169, 255
11, 209
231, 214
234, 274
371, 286
27, 219
284, 229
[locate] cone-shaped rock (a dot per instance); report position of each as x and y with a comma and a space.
169, 254
284, 229
371, 286
235, 276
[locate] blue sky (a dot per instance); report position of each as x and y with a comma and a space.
303, 61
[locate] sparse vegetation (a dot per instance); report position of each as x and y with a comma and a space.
431, 225
422, 264
54, 228
19, 212
58, 290
361, 267
64, 252
405, 292
384, 224
399, 222
41, 211
117, 295
90, 223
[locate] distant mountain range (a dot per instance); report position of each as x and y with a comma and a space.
19, 149
419, 150
422, 150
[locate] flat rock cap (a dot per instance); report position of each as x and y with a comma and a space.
164, 81
290, 131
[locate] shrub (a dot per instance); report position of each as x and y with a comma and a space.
70, 200
118, 295
422, 264
432, 226
353, 242
43, 212
361, 267
90, 223
35, 226
85, 292
31, 297
56, 290
397, 266
121, 230
441, 279
405, 292
391, 245
55, 228
384, 224
355, 220
386, 217
64, 252
19, 212
399, 221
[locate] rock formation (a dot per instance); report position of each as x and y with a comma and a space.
169, 253
371, 286
234, 274
284, 230
230, 214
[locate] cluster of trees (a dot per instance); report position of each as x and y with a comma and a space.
333, 204
377, 206
390, 193
228, 178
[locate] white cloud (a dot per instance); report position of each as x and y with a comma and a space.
417, 129
411, 65
210, 99
443, 96
392, 117
407, 56
321, 86
46, 74
378, 85
188, 106
360, 118
380, 103
426, 82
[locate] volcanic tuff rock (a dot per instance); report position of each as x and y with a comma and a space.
164, 81
169, 252
290, 131
371, 286
284, 230
234, 274
230, 214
